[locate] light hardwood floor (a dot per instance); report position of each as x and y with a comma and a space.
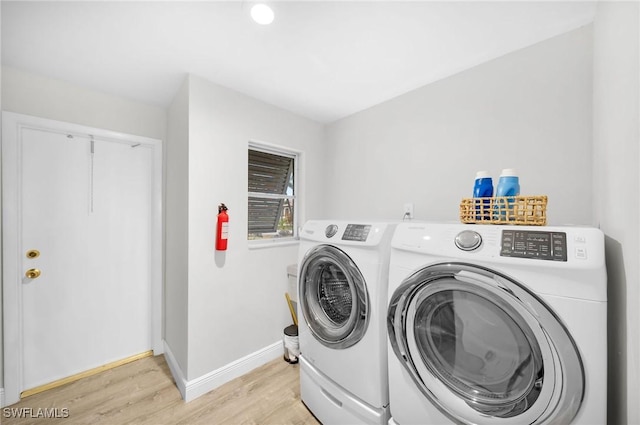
143, 393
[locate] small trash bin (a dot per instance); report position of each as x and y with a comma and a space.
291, 344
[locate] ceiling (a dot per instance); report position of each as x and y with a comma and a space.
320, 59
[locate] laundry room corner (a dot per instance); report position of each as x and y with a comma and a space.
166, 169
235, 298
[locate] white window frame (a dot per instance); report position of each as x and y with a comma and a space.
296, 155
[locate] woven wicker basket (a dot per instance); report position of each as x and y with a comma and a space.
525, 210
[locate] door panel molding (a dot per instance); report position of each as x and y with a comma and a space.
12, 126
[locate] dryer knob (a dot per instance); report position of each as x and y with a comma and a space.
331, 230
468, 240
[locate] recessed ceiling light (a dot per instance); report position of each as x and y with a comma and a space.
262, 14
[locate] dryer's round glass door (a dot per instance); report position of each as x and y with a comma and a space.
333, 297
483, 348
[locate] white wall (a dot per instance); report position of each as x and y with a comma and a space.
176, 203
48, 98
530, 110
54, 99
236, 298
616, 92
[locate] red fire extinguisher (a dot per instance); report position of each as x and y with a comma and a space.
223, 228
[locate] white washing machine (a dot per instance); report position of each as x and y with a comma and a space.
497, 325
342, 295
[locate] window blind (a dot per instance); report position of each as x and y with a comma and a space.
270, 185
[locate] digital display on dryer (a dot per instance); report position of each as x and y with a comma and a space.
356, 232
534, 244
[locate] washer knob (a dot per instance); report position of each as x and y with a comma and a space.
331, 230
468, 240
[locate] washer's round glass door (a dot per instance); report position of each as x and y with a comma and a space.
333, 297
484, 349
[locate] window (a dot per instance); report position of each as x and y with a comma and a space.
272, 193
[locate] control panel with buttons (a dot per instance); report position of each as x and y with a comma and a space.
356, 232
536, 245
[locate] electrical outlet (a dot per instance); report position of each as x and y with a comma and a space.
408, 210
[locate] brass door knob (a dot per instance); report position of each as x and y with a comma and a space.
32, 273
33, 253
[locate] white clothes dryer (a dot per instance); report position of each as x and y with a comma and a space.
497, 325
342, 295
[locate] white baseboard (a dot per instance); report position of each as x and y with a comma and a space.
1, 397
176, 372
190, 390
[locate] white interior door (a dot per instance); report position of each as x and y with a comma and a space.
87, 213
89, 208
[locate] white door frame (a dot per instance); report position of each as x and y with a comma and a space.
11, 269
